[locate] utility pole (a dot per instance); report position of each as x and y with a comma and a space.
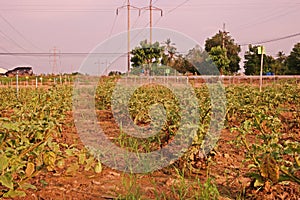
54, 59
223, 36
152, 8
129, 7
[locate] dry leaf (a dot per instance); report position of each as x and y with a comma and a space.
29, 169
269, 168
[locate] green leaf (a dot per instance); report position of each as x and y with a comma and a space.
98, 168
3, 163
5, 119
14, 194
61, 164
26, 186
297, 159
7, 180
252, 166
43, 182
258, 182
50, 158
89, 163
81, 158
69, 152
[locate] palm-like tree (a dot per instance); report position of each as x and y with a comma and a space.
170, 50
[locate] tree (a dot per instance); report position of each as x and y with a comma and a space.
168, 58
195, 55
169, 47
219, 56
293, 60
232, 49
200, 62
281, 57
114, 73
252, 62
182, 64
146, 54
279, 67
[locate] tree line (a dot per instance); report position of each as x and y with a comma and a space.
220, 52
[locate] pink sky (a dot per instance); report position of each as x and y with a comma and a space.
79, 26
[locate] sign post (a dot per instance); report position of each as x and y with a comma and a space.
167, 73
261, 51
17, 85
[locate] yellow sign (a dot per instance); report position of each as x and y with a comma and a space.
261, 50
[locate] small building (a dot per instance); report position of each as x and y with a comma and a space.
2, 71
21, 71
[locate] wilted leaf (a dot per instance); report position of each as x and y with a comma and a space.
29, 169
269, 168
72, 169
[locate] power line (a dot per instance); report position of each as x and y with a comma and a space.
7, 53
152, 8
155, 2
173, 9
157, 21
59, 10
18, 32
113, 26
11, 40
129, 8
136, 35
61, 54
178, 6
8, 38
84, 54
264, 19
135, 22
272, 40
114, 23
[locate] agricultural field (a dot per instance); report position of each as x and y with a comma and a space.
257, 155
